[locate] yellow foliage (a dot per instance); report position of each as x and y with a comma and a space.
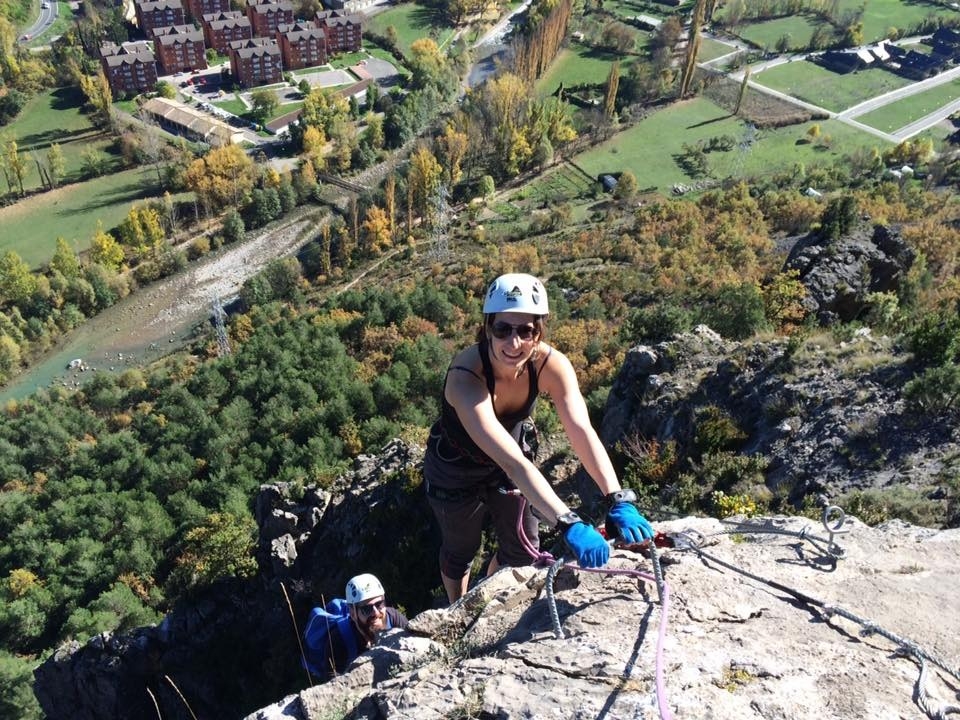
21, 581
727, 505
520, 257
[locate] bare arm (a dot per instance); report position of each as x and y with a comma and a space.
559, 380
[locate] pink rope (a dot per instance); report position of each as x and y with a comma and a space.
541, 558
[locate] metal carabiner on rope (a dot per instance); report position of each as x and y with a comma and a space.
833, 518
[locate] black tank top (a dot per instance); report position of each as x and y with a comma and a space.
450, 440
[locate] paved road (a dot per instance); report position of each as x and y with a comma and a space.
47, 16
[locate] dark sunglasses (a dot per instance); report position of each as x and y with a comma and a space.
366, 611
502, 330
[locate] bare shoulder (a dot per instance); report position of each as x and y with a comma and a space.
468, 359
552, 361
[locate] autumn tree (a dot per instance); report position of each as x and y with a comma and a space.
453, 147
390, 201
14, 165
105, 250
424, 179
224, 176
17, 283
142, 229
99, 98
313, 144
610, 95
376, 230
544, 34
65, 260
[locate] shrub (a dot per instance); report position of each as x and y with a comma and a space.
198, 248
874, 506
656, 322
936, 392
935, 338
716, 431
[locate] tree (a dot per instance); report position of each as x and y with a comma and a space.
17, 283
264, 104
56, 165
105, 250
14, 163
626, 188
374, 133
427, 63
224, 177
486, 187
165, 89
221, 547
99, 98
376, 230
453, 145
94, 162
610, 96
65, 260
233, 227
141, 229
423, 179
743, 90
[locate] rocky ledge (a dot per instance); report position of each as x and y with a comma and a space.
756, 621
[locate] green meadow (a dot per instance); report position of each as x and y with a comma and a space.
31, 226
909, 109
54, 116
411, 22
650, 148
825, 88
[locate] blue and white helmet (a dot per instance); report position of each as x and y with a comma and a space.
363, 587
518, 293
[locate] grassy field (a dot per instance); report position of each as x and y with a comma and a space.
579, 64
648, 149
880, 16
903, 112
765, 34
829, 90
411, 22
31, 226
54, 117
713, 49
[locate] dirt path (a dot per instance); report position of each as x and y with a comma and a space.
159, 318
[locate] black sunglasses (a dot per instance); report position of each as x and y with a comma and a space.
366, 611
502, 330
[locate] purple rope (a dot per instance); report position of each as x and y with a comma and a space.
541, 558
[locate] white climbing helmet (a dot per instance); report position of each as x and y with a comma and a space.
516, 292
363, 587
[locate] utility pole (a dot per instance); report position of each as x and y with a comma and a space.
441, 222
219, 317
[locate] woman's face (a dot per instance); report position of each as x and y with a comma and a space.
513, 337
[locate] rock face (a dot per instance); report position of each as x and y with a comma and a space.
733, 646
828, 415
841, 273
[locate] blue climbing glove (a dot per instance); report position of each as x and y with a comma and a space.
587, 544
624, 520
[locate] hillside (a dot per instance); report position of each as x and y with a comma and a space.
765, 618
